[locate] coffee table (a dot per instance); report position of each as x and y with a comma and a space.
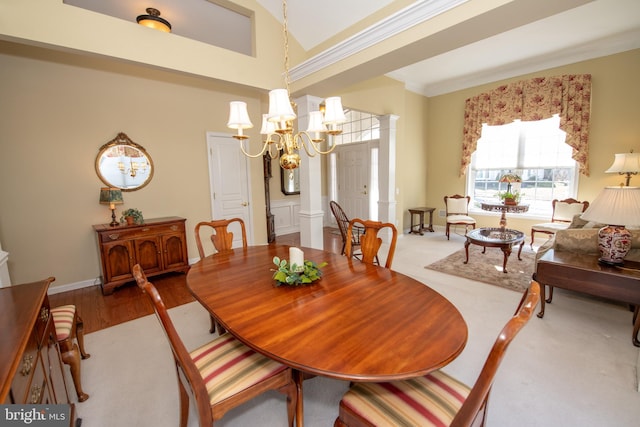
491, 237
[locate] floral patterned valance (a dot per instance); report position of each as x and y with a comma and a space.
535, 99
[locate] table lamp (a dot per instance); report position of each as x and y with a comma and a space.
616, 206
112, 197
625, 164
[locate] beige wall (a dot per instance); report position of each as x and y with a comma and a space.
615, 128
57, 109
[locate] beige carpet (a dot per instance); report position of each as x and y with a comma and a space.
487, 267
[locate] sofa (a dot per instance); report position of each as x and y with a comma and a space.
582, 237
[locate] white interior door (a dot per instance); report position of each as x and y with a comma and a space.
354, 176
229, 183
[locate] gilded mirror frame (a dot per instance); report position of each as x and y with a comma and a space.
123, 164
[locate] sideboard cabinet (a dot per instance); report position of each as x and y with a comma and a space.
159, 246
31, 370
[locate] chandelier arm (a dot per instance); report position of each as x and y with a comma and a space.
253, 156
314, 144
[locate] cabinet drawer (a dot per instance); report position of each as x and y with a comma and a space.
139, 231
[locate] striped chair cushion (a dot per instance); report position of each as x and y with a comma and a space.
432, 400
228, 366
63, 320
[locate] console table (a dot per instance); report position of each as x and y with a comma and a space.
159, 246
583, 273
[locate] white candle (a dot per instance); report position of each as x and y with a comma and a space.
296, 256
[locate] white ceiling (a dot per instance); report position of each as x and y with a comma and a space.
598, 28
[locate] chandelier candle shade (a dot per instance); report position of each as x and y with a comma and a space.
625, 164
112, 197
618, 207
277, 125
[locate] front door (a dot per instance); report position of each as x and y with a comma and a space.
353, 179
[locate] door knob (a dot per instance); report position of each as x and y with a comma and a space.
245, 204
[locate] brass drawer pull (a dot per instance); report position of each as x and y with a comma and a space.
114, 236
36, 393
44, 314
27, 364
174, 227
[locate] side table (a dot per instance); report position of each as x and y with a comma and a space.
420, 225
583, 273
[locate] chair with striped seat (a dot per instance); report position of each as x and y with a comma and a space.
69, 330
435, 399
220, 374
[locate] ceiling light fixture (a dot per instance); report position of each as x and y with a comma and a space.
277, 125
153, 20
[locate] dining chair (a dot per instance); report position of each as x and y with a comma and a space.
221, 374
343, 224
370, 243
561, 216
436, 398
69, 331
457, 212
222, 240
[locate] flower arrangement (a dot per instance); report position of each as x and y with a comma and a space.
292, 275
510, 197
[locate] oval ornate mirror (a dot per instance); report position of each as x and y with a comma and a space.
121, 163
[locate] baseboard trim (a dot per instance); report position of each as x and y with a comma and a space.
73, 286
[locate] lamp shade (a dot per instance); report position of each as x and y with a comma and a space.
625, 162
238, 116
280, 109
334, 114
109, 195
315, 122
615, 205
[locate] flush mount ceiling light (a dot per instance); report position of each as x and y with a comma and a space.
153, 20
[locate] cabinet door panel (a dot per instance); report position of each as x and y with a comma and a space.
148, 254
118, 257
174, 251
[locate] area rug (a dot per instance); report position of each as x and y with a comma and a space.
487, 267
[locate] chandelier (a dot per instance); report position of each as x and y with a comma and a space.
281, 139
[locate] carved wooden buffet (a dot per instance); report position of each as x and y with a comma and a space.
159, 246
31, 370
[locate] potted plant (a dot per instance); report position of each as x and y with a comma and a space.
510, 197
132, 216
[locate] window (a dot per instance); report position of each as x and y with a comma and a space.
360, 126
534, 150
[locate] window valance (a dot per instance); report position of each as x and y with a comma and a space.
535, 99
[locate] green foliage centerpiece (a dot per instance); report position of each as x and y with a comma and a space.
296, 271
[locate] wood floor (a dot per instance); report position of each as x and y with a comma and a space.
129, 303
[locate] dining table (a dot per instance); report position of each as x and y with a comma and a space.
358, 322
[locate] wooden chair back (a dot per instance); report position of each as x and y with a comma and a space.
370, 243
474, 408
343, 224
457, 204
565, 210
183, 361
221, 237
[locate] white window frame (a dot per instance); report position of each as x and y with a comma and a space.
506, 146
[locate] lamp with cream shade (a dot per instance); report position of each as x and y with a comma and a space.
618, 207
625, 164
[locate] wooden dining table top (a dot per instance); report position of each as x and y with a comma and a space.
359, 322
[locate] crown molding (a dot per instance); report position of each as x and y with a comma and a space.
402, 20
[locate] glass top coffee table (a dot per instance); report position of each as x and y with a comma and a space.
491, 237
